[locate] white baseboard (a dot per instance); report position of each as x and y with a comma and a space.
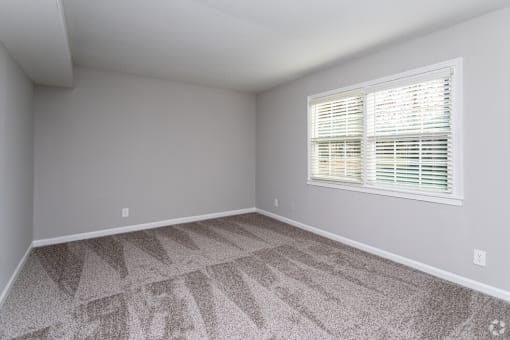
14, 275
137, 227
443, 274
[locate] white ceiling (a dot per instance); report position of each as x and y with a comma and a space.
35, 35
247, 45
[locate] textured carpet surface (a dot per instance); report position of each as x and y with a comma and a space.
240, 277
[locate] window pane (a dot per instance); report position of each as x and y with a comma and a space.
413, 109
339, 117
419, 163
337, 161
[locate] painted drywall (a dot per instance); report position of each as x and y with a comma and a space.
246, 45
162, 149
16, 165
35, 34
439, 235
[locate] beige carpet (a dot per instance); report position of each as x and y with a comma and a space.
241, 277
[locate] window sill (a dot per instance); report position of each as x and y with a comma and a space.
435, 198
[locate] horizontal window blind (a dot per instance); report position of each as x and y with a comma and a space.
336, 137
409, 140
397, 136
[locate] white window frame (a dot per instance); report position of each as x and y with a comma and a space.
456, 197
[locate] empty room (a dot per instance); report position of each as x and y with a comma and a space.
236, 169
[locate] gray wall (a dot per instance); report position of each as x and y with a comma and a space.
16, 165
439, 235
162, 149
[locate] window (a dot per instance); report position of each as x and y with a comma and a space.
395, 136
337, 135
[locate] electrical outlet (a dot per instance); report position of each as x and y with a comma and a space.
276, 203
125, 212
479, 257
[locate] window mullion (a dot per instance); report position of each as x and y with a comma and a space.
364, 142
420, 162
329, 159
395, 161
